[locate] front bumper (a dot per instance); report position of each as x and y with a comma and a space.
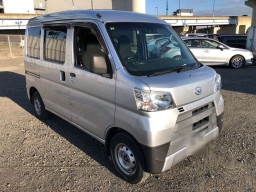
158, 160
190, 148
252, 62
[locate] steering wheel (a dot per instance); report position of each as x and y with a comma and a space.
177, 57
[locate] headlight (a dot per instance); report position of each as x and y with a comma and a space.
153, 101
218, 83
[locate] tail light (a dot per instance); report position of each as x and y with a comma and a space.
166, 49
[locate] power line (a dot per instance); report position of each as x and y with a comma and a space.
213, 7
166, 7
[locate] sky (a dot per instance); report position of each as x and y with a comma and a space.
201, 7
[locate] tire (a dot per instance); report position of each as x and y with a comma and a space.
237, 62
127, 158
38, 106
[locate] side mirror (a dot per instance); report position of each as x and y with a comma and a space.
98, 64
221, 47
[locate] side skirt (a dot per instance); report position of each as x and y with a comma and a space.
79, 127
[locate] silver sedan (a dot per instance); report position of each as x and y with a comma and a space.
211, 52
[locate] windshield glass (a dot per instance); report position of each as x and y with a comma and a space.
149, 48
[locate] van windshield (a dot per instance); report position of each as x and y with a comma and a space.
148, 49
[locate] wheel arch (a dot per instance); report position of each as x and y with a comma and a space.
235, 56
32, 90
113, 131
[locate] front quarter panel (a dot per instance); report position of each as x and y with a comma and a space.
243, 52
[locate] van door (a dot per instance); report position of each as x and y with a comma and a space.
53, 71
32, 58
92, 96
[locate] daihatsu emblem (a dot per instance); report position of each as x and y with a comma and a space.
198, 90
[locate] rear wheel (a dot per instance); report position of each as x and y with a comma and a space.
127, 158
237, 62
38, 105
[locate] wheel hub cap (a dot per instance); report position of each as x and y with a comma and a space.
125, 159
237, 62
37, 106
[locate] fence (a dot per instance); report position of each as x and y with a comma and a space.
11, 45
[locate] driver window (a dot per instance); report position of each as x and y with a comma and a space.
209, 44
87, 45
193, 43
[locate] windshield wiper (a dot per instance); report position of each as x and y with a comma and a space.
171, 70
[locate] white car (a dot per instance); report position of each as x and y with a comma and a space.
211, 52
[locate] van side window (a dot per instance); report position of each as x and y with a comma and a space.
33, 42
87, 45
55, 44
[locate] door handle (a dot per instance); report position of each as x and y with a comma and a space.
72, 77
62, 76
206, 51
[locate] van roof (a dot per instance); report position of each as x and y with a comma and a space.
100, 15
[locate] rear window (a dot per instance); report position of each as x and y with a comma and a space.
33, 42
55, 44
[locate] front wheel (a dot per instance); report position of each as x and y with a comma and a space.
237, 62
127, 158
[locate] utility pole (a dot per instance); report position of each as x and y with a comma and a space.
213, 6
166, 7
46, 11
73, 5
179, 9
156, 10
92, 4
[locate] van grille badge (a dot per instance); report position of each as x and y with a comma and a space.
198, 90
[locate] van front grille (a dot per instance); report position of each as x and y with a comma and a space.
191, 123
199, 110
200, 123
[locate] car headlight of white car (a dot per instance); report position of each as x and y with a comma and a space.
153, 100
218, 83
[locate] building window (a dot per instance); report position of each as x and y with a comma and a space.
55, 44
33, 42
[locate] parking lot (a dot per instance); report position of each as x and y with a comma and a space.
55, 156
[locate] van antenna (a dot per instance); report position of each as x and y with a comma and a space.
98, 15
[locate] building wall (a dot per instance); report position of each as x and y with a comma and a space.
60, 5
39, 6
130, 5
125, 5
21, 6
50, 6
243, 25
225, 29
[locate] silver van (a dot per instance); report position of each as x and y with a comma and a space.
102, 72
